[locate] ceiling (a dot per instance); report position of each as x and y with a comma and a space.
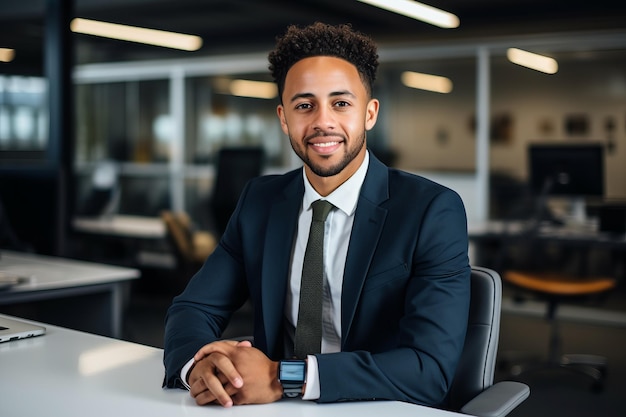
233, 26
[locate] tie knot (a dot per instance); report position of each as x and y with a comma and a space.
321, 208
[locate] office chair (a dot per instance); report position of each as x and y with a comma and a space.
104, 192
473, 391
191, 247
556, 288
235, 167
8, 238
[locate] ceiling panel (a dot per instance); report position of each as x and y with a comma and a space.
229, 26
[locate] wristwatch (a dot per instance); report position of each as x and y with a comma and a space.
292, 376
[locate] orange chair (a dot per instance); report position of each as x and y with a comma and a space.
556, 288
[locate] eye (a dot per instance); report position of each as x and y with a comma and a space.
342, 103
303, 106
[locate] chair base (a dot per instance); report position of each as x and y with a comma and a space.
593, 366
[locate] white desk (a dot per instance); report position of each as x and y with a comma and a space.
138, 227
95, 290
73, 374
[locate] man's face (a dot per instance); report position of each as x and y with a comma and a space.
325, 112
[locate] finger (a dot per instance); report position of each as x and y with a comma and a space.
212, 373
244, 343
208, 397
221, 346
224, 366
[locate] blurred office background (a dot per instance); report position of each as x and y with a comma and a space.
94, 129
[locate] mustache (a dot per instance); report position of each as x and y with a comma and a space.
321, 134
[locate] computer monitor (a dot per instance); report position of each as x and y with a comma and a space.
575, 171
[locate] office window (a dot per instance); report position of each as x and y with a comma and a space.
583, 102
216, 118
23, 114
123, 121
430, 130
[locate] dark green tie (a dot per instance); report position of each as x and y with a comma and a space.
309, 327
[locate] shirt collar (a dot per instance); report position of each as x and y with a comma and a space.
345, 196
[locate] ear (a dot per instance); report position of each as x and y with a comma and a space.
371, 114
280, 111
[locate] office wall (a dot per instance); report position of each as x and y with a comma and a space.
435, 132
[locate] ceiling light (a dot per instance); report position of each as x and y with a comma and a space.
137, 34
6, 54
255, 89
419, 11
427, 82
532, 60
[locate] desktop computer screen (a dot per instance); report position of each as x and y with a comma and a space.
567, 170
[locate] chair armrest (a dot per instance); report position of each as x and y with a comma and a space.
498, 400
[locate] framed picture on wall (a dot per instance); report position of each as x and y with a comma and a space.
501, 128
577, 124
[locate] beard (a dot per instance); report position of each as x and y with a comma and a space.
325, 171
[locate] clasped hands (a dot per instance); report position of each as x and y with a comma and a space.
233, 373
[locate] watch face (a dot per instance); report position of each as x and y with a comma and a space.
292, 371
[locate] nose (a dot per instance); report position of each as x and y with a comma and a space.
324, 119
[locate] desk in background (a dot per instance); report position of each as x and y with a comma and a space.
134, 240
137, 227
489, 238
73, 374
83, 295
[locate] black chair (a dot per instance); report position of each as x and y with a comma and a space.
8, 238
473, 391
235, 167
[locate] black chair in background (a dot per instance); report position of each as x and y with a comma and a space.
234, 168
473, 391
8, 238
103, 195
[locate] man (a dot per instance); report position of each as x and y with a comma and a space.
396, 271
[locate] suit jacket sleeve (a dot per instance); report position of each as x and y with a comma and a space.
409, 325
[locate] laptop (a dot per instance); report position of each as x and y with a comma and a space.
14, 329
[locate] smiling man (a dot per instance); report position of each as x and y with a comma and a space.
390, 319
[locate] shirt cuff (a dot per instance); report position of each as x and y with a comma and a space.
312, 389
184, 373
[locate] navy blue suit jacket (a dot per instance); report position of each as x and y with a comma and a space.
405, 295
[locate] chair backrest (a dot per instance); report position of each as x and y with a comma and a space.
235, 167
179, 234
476, 368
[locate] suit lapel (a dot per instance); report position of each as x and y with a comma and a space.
369, 220
277, 248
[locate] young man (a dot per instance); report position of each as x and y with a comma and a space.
396, 271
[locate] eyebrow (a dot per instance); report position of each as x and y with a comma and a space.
333, 94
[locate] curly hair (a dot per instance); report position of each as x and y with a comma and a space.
320, 39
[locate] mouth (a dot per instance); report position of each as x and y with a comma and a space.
325, 145
325, 148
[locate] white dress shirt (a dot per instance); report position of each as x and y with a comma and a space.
337, 231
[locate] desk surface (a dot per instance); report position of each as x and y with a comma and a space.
122, 226
576, 235
69, 373
49, 272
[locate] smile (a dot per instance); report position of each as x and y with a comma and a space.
326, 144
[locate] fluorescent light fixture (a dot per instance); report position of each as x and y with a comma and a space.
532, 60
427, 82
419, 11
136, 34
255, 89
6, 54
